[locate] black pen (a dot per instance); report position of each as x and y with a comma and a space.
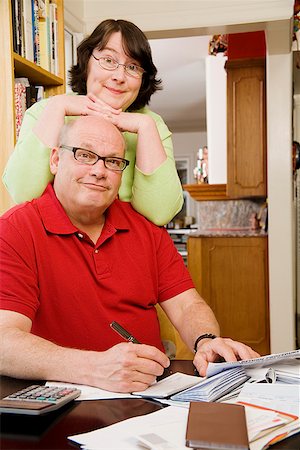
122, 332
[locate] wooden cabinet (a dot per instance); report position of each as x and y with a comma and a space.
230, 273
12, 66
246, 128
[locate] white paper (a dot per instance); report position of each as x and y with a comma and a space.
214, 368
279, 397
168, 423
89, 392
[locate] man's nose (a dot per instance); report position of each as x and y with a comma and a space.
99, 169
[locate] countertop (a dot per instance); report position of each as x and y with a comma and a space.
220, 232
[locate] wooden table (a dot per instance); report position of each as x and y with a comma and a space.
51, 431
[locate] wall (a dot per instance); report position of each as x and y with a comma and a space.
186, 146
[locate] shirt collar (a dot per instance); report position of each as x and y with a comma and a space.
56, 221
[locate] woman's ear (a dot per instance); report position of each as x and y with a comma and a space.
54, 159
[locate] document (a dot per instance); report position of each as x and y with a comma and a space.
168, 424
263, 361
161, 389
272, 412
90, 392
279, 397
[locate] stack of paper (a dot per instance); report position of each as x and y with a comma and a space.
212, 388
288, 373
272, 412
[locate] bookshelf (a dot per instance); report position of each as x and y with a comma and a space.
13, 66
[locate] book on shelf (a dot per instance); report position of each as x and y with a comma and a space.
25, 96
28, 30
53, 38
35, 32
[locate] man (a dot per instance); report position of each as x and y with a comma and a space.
77, 259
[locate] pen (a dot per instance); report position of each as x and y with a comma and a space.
122, 332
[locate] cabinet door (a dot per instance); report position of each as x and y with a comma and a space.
246, 128
231, 275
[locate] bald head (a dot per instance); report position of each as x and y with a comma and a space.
92, 128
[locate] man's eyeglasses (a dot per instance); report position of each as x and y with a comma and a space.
87, 157
108, 63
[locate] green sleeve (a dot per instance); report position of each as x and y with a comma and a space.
27, 172
157, 196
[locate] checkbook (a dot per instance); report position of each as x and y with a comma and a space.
170, 385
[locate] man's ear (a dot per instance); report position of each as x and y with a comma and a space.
54, 159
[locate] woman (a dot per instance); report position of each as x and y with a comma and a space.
114, 78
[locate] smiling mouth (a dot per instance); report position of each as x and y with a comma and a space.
114, 91
97, 187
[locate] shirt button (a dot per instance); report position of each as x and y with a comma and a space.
80, 235
96, 251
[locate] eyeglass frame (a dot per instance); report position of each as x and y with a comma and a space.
139, 75
102, 158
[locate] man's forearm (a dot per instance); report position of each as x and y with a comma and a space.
191, 316
24, 355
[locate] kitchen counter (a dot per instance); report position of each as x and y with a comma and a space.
228, 232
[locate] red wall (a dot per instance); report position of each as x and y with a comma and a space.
246, 45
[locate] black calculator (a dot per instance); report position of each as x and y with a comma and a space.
36, 399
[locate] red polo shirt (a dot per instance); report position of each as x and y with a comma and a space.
72, 289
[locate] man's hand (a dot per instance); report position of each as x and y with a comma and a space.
128, 367
210, 350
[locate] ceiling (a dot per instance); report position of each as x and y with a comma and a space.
181, 66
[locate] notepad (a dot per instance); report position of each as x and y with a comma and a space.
217, 426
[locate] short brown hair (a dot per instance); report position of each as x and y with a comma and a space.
135, 45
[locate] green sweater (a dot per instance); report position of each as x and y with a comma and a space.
157, 196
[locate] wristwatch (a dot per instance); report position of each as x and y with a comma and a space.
203, 336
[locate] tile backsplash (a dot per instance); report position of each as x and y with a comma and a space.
227, 214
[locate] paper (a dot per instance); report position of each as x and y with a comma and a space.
214, 368
168, 386
168, 423
173, 383
276, 436
261, 421
89, 392
279, 397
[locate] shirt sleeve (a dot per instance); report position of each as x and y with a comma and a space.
19, 291
27, 172
157, 196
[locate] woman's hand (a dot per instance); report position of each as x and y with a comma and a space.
84, 105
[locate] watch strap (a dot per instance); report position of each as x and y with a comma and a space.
203, 336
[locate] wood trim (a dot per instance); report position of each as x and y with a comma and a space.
205, 191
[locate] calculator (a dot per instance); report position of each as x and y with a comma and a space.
37, 399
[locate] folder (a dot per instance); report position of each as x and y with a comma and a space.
217, 426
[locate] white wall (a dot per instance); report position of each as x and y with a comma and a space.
216, 118
186, 146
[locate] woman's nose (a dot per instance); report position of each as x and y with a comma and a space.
119, 73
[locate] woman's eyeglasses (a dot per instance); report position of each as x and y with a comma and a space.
108, 63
